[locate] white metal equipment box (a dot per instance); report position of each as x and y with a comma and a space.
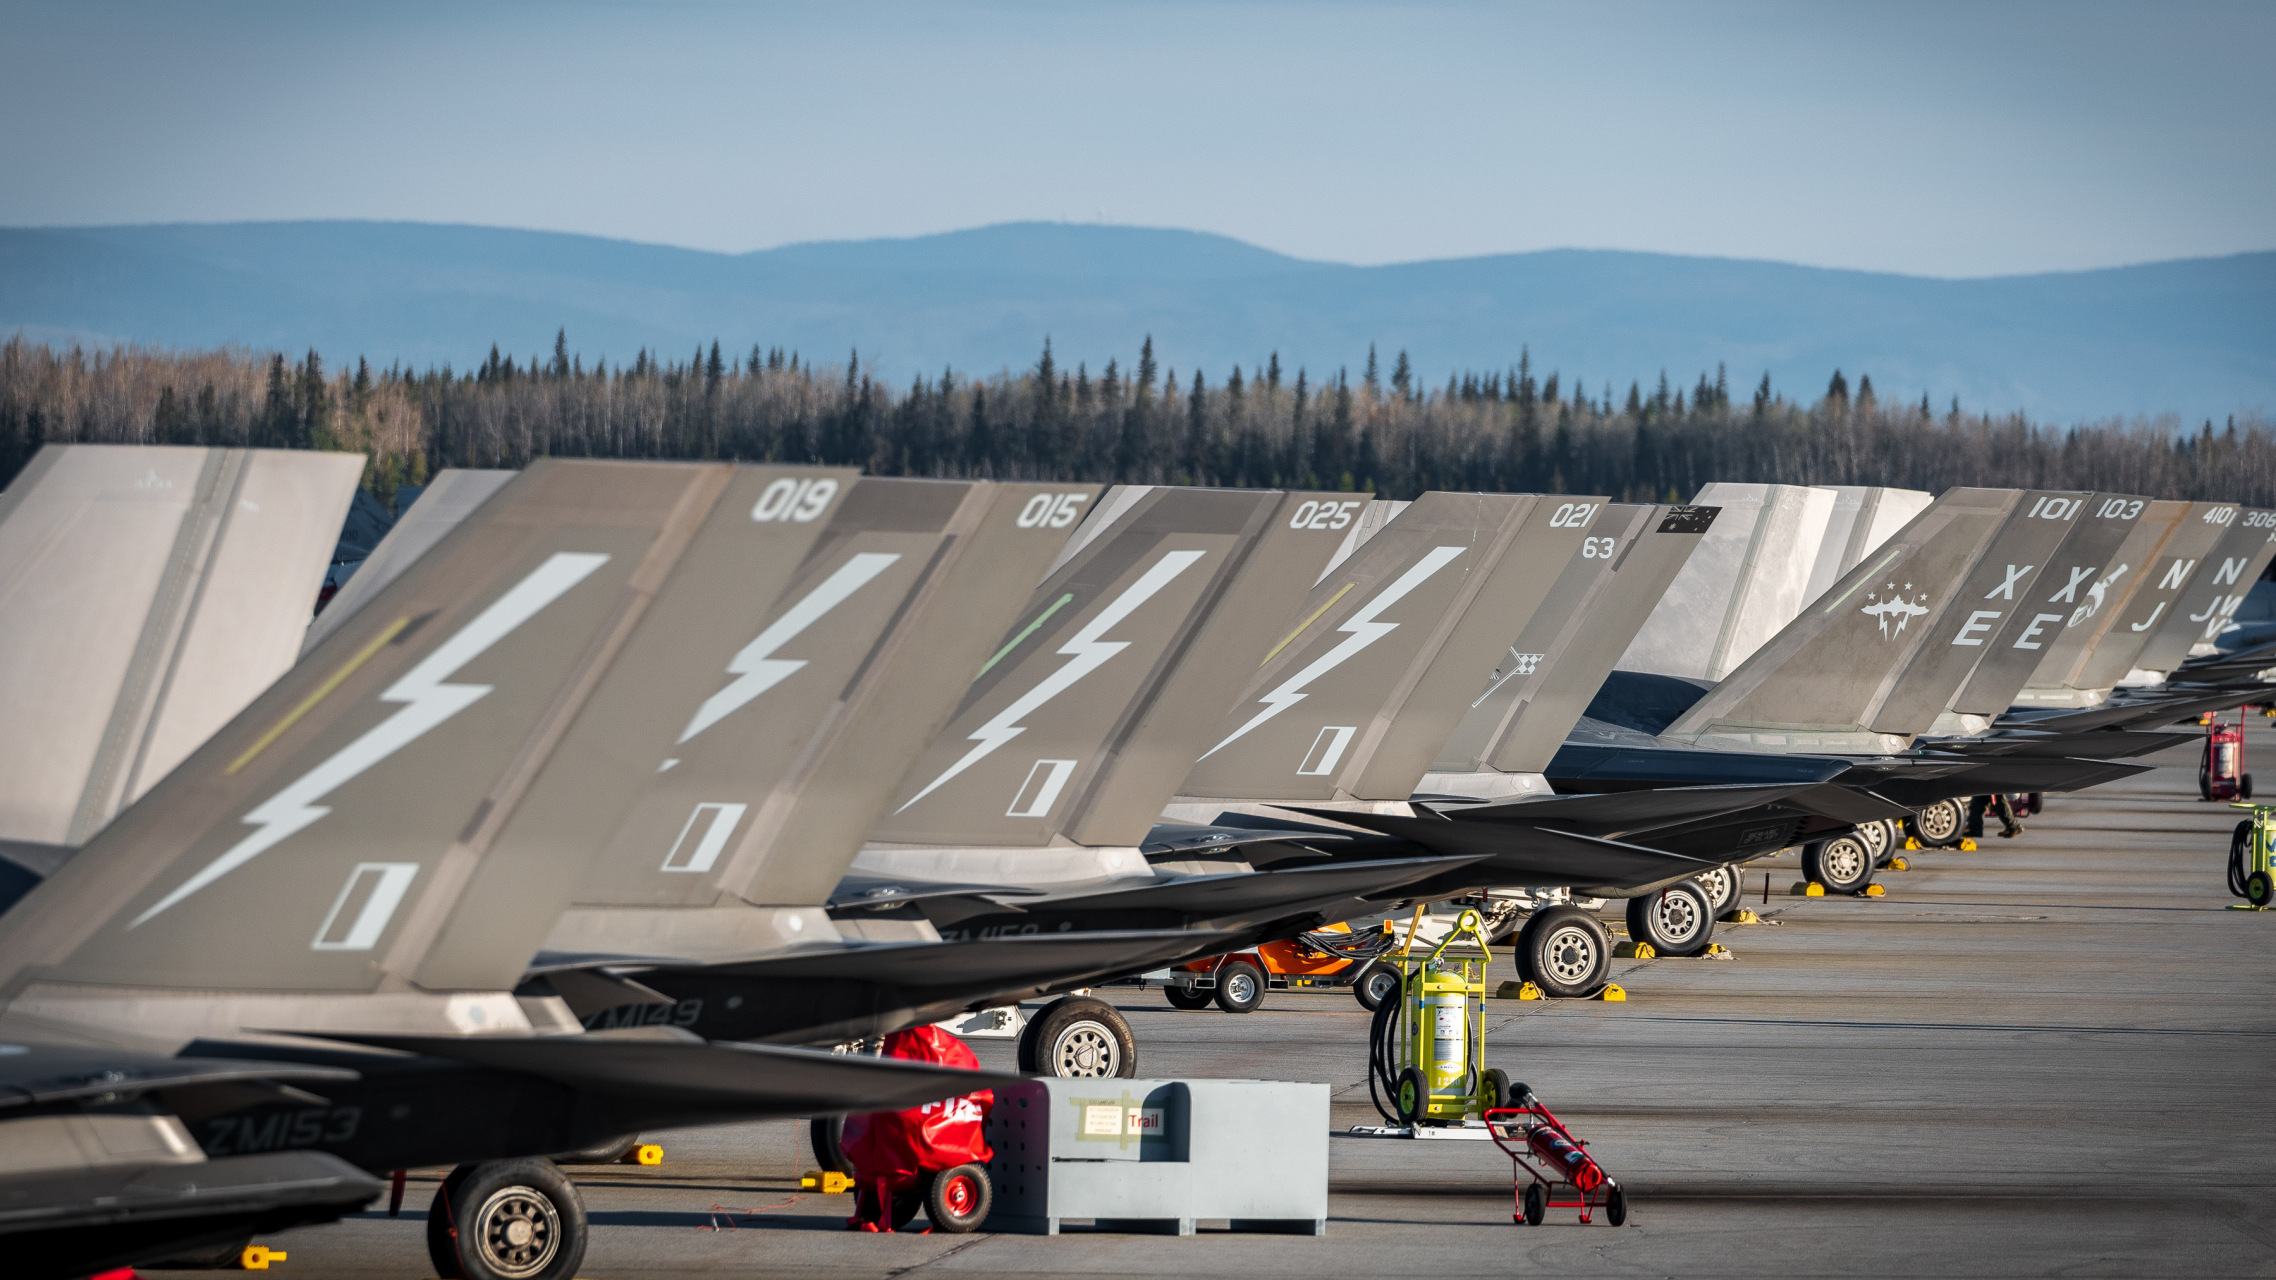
1158, 1155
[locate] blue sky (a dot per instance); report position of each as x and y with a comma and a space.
1939, 139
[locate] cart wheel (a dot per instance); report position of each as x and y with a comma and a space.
958, 1199
1411, 1097
2204, 783
2038, 803
1493, 1091
1240, 987
2259, 889
2244, 787
1616, 1207
1536, 1204
1187, 997
1377, 983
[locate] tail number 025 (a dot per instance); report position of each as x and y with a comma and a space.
1051, 510
1573, 515
797, 501
1323, 515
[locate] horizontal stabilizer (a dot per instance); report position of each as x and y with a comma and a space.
1514, 854
39, 1075
1039, 958
1257, 893
2098, 744
863, 893
2133, 713
670, 1074
2012, 773
1181, 837
1616, 812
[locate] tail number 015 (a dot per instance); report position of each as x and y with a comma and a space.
1051, 510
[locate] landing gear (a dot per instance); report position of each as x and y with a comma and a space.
1939, 826
1565, 952
1880, 841
1079, 1038
1842, 864
1676, 921
507, 1220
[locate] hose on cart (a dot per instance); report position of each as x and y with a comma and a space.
1382, 1059
2240, 858
1350, 946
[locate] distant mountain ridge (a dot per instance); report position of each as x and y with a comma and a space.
2196, 337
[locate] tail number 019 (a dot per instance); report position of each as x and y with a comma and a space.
797, 501
1051, 510
1323, 515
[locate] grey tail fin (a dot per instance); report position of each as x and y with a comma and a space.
2079, 575
763, 714
1384, 657
149, 593
2123, 576
1743, 584
1819, 684
1548, 674
1077, 724
2215, 591
2164, 579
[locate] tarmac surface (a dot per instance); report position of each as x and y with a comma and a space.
2048, 1056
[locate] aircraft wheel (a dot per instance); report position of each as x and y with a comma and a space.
1676, 920
1565, 952
1939, 826
1079, 1038
1725, 885
1187, 997
1376, 983
515, 1220
1841, 864
958, 1199
1240, 987
1879, 840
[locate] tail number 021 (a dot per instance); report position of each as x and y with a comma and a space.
1573, 515
1323, 515
1051, 510
798, 501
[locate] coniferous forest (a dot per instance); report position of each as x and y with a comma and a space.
1378, 430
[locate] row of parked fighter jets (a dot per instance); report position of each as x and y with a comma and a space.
611, 797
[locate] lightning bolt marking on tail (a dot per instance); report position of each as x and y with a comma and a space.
1363, 630
1088, 654
428, 700
754, 667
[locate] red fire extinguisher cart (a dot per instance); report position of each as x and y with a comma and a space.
2221, 775
933, 1157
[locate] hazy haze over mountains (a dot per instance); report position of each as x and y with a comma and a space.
2195, 337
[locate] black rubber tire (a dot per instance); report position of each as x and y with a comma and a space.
500, 1201
219, 1257
1939, 825
1676, 921
827, 1135
1079, 1038
1188, 998
1410, 1097
2038, 802
1841, 864
442, 1250
1565, 951
1240, 987
1616, 1207
1880, 839
1725, 886
957, 1200
600, 1153
1493, 1090
2259, 888
1536, 1204
2244, 786
1376, 983
2240, 856
2204, 783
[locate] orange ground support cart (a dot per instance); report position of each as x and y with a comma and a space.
1331, 957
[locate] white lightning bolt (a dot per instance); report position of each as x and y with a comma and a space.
1088, 654
754, 666
428, 702
1363, 631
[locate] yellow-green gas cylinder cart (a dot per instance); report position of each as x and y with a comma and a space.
1428, 1049
2252, 849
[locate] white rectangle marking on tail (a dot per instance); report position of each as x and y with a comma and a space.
722, 819
381, 885
1327, 748
1039, 793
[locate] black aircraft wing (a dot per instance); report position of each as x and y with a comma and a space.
1612, 813
1518, 854
2137, 713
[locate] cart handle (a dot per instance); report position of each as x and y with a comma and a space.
1469, 922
